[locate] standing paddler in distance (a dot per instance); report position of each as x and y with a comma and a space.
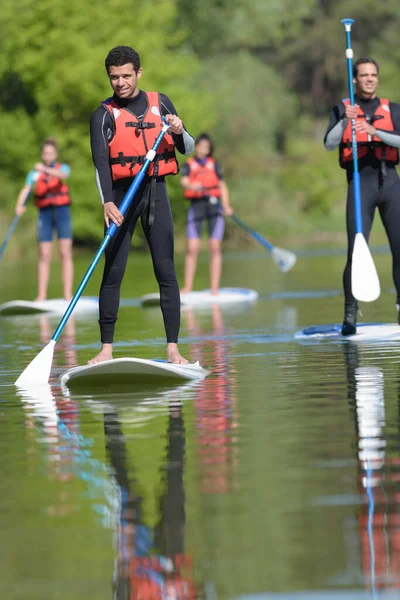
47, 182
122, 130
377, 124
204, 186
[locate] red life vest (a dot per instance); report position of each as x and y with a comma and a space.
51, 191
133, 139
367, 143
205, 175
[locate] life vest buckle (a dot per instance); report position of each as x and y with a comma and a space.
140, 124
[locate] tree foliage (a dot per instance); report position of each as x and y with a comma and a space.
259, 76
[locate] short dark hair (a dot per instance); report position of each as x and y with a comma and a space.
204, 137
50, 142
363, 61
122, 55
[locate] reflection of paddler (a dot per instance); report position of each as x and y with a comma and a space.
379, 524
151, 565
65, 346
215, 403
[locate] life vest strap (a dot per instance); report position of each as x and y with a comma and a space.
123, 160
140, 124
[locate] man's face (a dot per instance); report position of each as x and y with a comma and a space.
366, 80
124, 80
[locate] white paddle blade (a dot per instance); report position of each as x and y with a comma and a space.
38, 370
284, 259
364, 278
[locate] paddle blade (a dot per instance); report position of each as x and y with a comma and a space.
284, 259
38, 370
364, 278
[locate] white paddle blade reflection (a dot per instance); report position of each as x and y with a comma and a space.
364, 278
284, 259
38, 370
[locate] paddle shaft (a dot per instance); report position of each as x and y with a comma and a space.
356, 176
253, 233
111, 231
11, 229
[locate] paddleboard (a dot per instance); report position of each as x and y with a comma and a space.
57, 306
365, 332
205, 297
132, 371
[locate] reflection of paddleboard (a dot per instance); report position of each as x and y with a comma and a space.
224, 296
365, 332
56, 306
131, 370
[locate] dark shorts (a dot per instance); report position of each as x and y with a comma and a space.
54, 217
205, 209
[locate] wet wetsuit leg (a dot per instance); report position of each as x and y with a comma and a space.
370, 195
389, 210
116, 256
160, 237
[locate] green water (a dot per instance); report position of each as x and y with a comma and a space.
278, 474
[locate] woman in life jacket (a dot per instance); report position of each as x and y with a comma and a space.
208, 194
46, 182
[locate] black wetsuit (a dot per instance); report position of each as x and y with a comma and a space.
159, 233
380, 188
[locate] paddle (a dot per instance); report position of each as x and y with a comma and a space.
11, 229
283, 258
38, 371
364, 278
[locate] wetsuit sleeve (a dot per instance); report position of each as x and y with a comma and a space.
185, 170
101, 132
184, 142
336, 127
218, 171
391, 138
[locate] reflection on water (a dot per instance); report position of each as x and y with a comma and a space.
151, 561
277, 477
379, 476
215, 405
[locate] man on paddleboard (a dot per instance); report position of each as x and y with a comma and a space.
122, 130
378, 140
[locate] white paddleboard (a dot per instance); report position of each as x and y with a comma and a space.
205, 297
57, 306
131, 370
365, 332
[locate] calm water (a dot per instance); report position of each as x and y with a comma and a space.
276, 477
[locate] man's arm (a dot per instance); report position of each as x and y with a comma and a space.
391, 138
184, 142
336, 127
101, 132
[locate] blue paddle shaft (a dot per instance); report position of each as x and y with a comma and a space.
110, 231
356, 176
253, 233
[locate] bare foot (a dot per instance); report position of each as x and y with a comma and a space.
39, 299
104, 354
185, 290
174, 356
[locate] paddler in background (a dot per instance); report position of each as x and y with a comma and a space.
48, 183
205, 188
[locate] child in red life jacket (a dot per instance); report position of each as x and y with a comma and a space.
47, 183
